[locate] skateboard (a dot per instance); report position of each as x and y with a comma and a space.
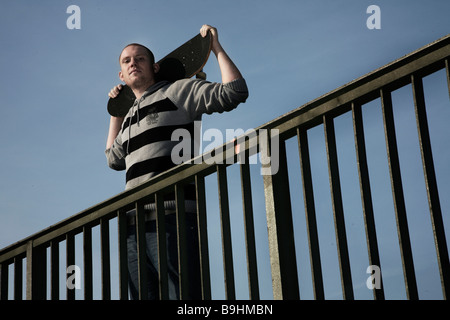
186, 61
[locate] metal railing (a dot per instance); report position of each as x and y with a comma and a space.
40, 253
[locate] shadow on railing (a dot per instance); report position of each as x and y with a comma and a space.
40, 253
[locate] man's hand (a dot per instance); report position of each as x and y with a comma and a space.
228, 69
215, 36
115, 91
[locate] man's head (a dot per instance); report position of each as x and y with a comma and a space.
137, 66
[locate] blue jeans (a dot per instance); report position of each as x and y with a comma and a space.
172, 258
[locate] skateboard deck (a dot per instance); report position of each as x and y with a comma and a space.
186, 61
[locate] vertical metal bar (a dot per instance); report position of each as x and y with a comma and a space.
203, 237
36, 272
162, 247
252, 267
310, 213
397, 191
431, 185
141, 251
123, 254
226, 232
4, 281
366, 195
18, 273
87, 259
54, 270
181, 239
105, 259
338, 209
70, 261
280, 230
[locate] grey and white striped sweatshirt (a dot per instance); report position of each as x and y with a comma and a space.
143, 146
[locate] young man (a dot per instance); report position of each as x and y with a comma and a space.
140, 143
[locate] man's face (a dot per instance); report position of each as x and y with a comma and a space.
136, 69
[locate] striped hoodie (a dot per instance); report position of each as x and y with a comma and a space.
143, 146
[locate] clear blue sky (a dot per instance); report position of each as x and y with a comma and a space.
54, 121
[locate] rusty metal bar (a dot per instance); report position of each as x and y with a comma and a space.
181, 241
310, 212
141, 251
366, 195
431, 184
123, 254
162, 247
105, 259
87, 262
397, 192
252, 267
70, 261
338, 209
36, 272
280, 229
18, 273
54, 270
4, 281
203, 237
226, 232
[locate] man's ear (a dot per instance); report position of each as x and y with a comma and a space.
121, 76
155, 68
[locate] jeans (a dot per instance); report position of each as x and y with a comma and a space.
172, 258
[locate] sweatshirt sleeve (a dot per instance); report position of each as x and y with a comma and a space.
115, 155
199, 96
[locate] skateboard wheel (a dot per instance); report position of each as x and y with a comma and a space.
201, 75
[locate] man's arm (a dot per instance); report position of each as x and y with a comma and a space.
115, 124
228, 69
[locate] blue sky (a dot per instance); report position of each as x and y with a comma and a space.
54, 121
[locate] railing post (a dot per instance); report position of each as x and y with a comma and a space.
280, 229
431, 185
397, 192
181, 242
36, 272
141, 251
226, 232
366, 195
3, 281
338, 208
70, 260
123, 254
252, 267
310, 213
87, 258
54, 270
105, 259
18, 267
203, 237
162, 247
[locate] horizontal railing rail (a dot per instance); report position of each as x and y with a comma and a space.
41, 251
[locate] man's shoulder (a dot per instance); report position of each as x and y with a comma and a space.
179, 88
180, 83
